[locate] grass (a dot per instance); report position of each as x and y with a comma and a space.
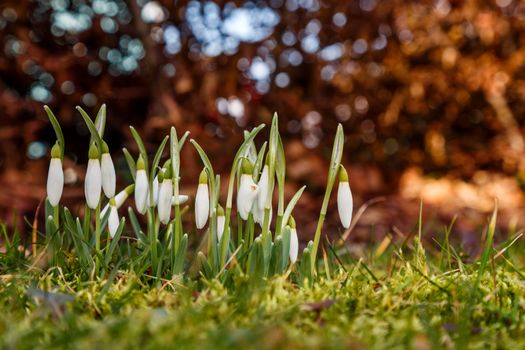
401, 296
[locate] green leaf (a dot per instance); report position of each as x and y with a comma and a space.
181, 255
156, 159
115, 241
259, 162
57, 128
131, 163
92, 128
286, 234
183, 139
140, 145
305, 268
100, 120
291, 206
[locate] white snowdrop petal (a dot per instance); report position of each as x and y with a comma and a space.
165, 198
182, 198
93, 183
120, 198
294, 245
247, 194
220, 226
202, 206
345, 204
109, 178
263, 187
55, 181
156, 187
113, 221
141, 191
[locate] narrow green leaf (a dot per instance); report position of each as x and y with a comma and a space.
58, 130
92, 128
115, 240
158, 154
140, 145
131, 163
291, 206
100, 120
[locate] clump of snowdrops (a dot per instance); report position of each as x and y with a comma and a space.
254, 248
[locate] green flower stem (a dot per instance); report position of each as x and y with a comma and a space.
153, 238
97, 238
320, 222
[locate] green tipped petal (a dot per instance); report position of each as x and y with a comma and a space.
246, 166
203, 177
343, 175
93, 152
56, 152
220, 210
291, 222
140, 164
105, 148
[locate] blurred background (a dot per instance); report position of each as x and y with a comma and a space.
430, 93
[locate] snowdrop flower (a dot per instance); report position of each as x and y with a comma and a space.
294, 241
156, 187
165, 196
181, 199
344, 199
55, 177
202, 201
258, 213
113, 220
120, 198
93, 180
248, 190
141, 187
263, 187
220, 222
109, 179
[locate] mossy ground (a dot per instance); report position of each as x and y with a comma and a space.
400, 300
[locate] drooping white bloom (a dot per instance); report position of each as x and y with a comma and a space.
263, 187
294, 241
141, 187
294, 245
156, 187
247, 194
93, 180
109, 178
165, 198
55, 177
113, 220
181, 199
221, 220
258, 213
202, 201
120, 198
344, 199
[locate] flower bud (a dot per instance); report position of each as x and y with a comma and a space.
120, 198
141, 187
263, 187
165, 198
113, 220
182, 198
344, 199
109, 178
93, 180
202, 201
55, 177
247, 194
294, 241
220, 222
